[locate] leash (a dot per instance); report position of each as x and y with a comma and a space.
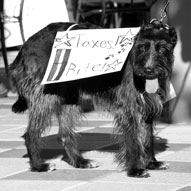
164, 11
163, 15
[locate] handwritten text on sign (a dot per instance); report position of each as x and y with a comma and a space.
80, 54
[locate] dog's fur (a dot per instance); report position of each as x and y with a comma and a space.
122, 93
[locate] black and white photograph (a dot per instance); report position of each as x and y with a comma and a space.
95, 95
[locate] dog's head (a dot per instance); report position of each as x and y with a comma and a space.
153, 51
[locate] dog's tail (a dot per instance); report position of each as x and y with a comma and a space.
16, 70
20, 105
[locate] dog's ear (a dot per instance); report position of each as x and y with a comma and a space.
173, 36
145, 27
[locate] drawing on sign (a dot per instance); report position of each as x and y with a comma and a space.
62, 55
80, 54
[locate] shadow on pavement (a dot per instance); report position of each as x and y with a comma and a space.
103, 142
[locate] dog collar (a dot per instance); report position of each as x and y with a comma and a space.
159, 23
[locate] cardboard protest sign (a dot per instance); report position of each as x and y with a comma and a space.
81, 54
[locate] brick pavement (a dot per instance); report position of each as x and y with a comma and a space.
173, 145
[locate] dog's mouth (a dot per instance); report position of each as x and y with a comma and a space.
151, 85
151, 78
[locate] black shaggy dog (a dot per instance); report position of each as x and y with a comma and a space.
122, 93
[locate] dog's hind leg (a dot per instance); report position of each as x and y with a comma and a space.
40, 111
157, 165
131, 136
67, 119
33, 143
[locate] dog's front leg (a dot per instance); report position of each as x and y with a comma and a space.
153, 164
131, 137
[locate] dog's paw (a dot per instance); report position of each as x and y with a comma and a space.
157, 165
92, 164
81, 162
138, 173
86, 163
46, 167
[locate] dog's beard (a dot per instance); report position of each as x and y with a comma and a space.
151, 86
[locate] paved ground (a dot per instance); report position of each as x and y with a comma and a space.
173, 145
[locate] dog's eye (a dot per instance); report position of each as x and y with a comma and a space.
142, 48
161, 49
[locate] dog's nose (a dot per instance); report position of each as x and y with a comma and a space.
148, 70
